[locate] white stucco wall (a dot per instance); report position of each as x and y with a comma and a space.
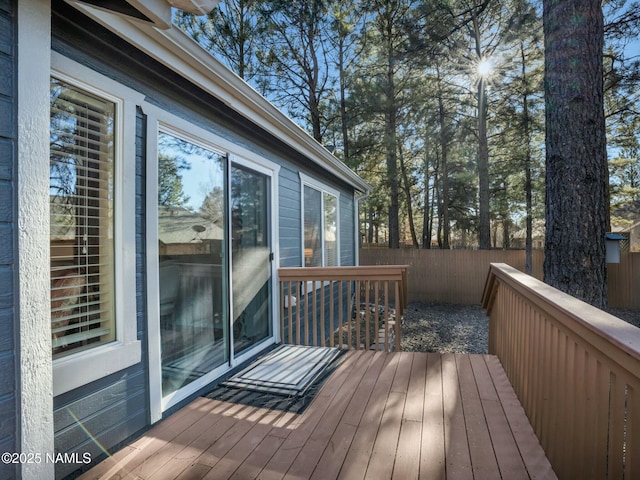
36, 397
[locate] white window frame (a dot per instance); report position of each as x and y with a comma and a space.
78, 369
161, 120
307, 181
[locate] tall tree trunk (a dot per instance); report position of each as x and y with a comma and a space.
392, 177
428, 205
444, 151
392, 162
344, 124
407, 193
528, 243
484, 234
576, 209
371, 215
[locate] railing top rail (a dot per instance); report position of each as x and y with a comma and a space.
574, 314
375, 272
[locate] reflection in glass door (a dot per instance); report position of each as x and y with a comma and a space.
194, 322
250, 258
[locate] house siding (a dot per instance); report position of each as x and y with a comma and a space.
347, 230
9, 412
116, 407
290, 218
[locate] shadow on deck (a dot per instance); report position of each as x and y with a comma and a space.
377, 416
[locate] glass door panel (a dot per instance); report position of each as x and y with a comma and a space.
193, 280
250, 258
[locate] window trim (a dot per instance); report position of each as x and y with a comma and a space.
307, 181
78, 369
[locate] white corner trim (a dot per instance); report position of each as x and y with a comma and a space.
153, 270
35, 431
174, 49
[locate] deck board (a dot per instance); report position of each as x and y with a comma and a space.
378, 416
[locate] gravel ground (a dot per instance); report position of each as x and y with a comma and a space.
445, 328
453, 328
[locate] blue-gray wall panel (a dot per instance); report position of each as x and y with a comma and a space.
7, 118
6, 154
7, 445
6, 75
7, 416
6, 285
290, 234
6, 330
9, 400
6, 251
7, 28
7, 206
347, 245
7, 382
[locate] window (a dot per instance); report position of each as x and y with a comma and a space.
92, 223
320, 223
81, 216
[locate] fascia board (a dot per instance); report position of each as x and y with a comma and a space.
177, 51
158, 11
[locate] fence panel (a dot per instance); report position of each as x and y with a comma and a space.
458, 276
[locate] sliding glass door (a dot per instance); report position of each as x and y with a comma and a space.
250, 258
192, 261
214, 258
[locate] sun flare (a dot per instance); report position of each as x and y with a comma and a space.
485, 67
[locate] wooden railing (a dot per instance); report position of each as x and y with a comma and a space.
344, 307
576, 371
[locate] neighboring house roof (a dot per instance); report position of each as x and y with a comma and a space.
626, 229
176, 226
176, 50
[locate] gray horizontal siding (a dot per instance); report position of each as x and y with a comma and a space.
347, 230
289, 221
105, 414
9, 411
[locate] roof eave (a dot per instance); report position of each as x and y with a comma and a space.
177, 51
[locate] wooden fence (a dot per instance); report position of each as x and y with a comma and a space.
576, 371
623, 280
458, 276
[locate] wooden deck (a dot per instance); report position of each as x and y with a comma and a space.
378, 416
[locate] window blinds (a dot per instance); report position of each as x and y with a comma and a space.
81, 216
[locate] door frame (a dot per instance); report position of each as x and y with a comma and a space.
156, 119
